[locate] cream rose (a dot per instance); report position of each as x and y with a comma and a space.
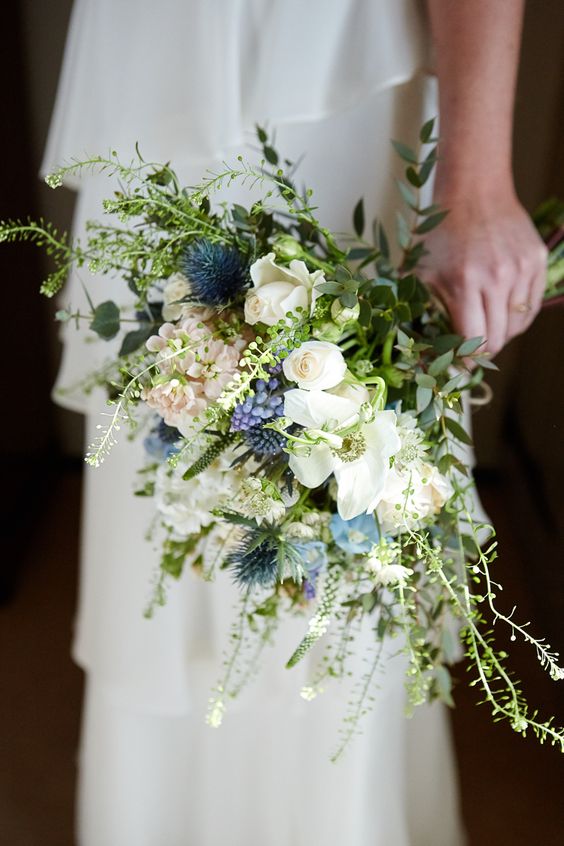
315, 366
278, 291
177, 288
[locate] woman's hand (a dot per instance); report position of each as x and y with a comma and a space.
487, 264
486, 261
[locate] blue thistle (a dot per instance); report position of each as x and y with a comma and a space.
264, 441
167, 434
254, 564
215, 272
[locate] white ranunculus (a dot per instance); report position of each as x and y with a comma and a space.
278, 291
315, 366
177, 288
357, 453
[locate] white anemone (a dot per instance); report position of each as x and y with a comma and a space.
355, 450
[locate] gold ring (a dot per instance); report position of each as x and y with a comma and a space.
523, 308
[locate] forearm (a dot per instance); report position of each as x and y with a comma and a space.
476, 46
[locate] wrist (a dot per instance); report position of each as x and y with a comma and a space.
477, 185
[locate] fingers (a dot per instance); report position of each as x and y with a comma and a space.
497, 317
468, 314
526, 296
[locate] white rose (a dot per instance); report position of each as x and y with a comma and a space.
279, 290
272, 302
315, 366
177, 288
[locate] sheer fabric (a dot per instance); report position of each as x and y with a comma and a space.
336, 79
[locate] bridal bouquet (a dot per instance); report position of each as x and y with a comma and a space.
300, 399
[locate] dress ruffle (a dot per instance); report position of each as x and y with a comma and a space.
189, 81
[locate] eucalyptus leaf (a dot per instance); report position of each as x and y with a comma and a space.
486, 363
413, 177
106, 321
406, 287
404, 235
447, 342
407, 194
444, 684
403, 339
358, 253
425, 380
405, 152
431, 222
441, 363
133, 340
403, 312
427, 131
470, 346
365, 313
381, 239
423, 397
358, 218
452, 383
457, 431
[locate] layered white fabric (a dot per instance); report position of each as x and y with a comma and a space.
189, 81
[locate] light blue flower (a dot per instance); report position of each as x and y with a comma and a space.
355, 536
158, 448
315, 559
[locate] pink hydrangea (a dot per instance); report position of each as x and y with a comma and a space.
198, 375
176, 402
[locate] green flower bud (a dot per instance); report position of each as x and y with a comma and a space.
287, 247
327, 331
342, 315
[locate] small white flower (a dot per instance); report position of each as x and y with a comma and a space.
391, 574
381, 566
413, 449
278, 291
299, 531
315, 365
185, 506
261, 500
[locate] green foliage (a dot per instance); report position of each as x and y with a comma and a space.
106, 321
219, 444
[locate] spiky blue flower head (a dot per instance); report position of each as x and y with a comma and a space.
264, 441
216, 273
254, 565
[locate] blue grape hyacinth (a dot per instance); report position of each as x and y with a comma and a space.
250, 416
260, 408
216, 273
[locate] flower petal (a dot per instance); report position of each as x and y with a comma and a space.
359, 482
314, 409
315, 469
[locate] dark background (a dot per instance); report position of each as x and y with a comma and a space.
511, 787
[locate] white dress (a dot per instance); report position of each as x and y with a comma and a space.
336, 79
